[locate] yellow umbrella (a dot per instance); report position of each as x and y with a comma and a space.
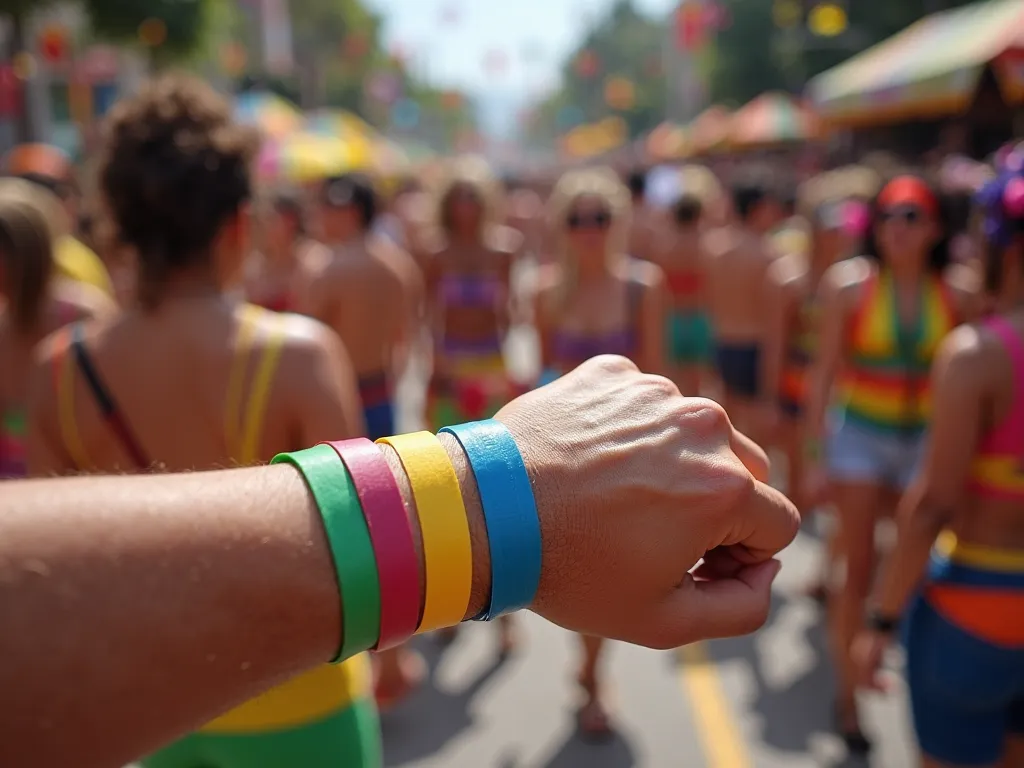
303, 157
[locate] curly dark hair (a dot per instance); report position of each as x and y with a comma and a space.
174, 168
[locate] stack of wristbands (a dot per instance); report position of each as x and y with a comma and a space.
371, 538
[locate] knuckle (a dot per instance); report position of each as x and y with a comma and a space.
613, 364
662, 385
706, 417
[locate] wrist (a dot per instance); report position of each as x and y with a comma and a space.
883, 622
477, 529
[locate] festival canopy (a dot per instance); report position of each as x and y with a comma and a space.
930, 69
667, 142
770, 119
273, 116
709, 131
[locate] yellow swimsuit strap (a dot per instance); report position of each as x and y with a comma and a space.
236, 379
65, 384
246, 445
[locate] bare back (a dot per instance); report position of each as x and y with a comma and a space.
364, 297
198, 387
737, 269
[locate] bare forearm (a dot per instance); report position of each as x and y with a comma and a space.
137, 608
906, 563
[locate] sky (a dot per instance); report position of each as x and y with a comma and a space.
450, 41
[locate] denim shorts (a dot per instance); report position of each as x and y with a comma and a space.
966, 695
860, 453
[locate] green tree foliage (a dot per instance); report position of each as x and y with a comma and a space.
185, 24
626, 44
750, 56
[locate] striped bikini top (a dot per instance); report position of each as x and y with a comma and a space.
243, 422
885, 382
997, 470
467, 290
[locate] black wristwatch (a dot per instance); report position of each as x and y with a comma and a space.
879, 622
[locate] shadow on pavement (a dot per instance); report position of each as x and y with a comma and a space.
614, 752
793, 715
421, 726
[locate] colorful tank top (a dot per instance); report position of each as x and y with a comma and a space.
885, 382
13, 433
997, 470
310, 696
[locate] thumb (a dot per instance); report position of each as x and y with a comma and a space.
702, 610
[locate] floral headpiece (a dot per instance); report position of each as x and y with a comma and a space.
1002, 199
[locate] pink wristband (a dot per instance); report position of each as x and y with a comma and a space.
398, 565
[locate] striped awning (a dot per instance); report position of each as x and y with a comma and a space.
709, 131
930, 69
772, 119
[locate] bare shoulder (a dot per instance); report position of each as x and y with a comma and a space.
395, 258
649, 275
505, 240
787, 271
718, 242
547, 281
306, 342
970, 353
965, 283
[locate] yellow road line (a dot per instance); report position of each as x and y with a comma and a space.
720, 736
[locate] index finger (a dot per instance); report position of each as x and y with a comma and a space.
763, 525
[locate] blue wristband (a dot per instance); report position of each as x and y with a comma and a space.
510, 514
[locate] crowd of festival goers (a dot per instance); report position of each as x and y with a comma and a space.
160, 311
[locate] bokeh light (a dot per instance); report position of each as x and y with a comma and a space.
827, 20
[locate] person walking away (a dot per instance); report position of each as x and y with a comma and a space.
961, 526
679, 250
34, 302
189, 378
272, 274
593, 300
739, 257
884, 315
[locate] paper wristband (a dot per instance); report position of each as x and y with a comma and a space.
398, 563
349, 541
443, 525
510, 514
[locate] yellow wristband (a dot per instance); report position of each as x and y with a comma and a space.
444, 527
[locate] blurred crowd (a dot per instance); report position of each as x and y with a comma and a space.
865, 324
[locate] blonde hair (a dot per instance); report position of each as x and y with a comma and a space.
604, 184
474, 173
29, 217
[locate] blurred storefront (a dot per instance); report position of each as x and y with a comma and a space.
65, 85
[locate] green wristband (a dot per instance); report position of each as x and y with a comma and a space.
349, 540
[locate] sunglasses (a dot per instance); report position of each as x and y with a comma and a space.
598, 220
909, 214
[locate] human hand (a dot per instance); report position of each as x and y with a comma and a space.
634, 485
868, 650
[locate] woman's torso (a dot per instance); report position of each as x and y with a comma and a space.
884, 383
471, 293
600, 319
994, 513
